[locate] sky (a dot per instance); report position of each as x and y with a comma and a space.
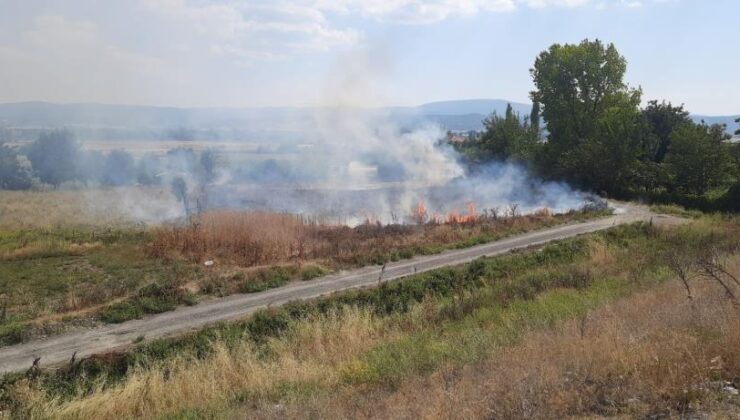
231, 53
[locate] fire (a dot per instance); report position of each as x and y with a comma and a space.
469, 217
419, 213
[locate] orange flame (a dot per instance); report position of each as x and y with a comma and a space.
419, 213
469, 217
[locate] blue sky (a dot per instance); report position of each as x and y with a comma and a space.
353, 52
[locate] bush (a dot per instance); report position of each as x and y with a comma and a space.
265, 279
267, 323
151, 299
311, 272
121, 312
12, 334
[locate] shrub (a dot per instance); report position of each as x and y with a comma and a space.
311, 272
267, 323
121, 312
265, 279
12, 334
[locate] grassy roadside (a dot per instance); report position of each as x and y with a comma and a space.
375, 340
676, 210
57, 278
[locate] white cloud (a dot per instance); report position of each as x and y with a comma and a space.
260, 29
270, 29
193, 51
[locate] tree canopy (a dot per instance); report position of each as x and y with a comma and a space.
14, 174
592, 116
697, 158
598, 137
54, 156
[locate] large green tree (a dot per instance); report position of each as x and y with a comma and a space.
593, 118
698, 158
662, 118
55, 157
506, 137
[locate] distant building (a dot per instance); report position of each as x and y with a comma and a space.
457, 137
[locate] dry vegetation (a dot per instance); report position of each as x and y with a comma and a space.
89, 207
254, 238
74, 257
648, 356
589, 328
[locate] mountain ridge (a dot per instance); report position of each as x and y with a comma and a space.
464, 114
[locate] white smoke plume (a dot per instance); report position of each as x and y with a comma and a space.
350, 163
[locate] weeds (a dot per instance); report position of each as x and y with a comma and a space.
53, 274
454, 315
249, 239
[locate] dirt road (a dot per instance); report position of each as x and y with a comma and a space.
59, 349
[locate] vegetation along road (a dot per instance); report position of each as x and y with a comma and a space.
59, 349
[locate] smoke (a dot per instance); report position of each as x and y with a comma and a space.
352, 165
362, 166
358, 164
347, 163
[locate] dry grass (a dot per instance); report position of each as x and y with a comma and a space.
256, 238
311, 353
653, 353
88, 207
650, 355
41, 250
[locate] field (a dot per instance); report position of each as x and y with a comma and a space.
594, 326
66, 264
99, 208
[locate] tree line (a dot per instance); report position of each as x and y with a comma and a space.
55, 158
597, 137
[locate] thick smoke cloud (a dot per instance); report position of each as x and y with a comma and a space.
350, 165
361, 166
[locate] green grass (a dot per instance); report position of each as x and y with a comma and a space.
12, 334
389, 300
50, 277
676, 210
452, 316
266, 279
47, 272
476, 307
153, 298
485, 327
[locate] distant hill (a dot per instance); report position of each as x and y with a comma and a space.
470, 112
729, 121
472, 106
123, 119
